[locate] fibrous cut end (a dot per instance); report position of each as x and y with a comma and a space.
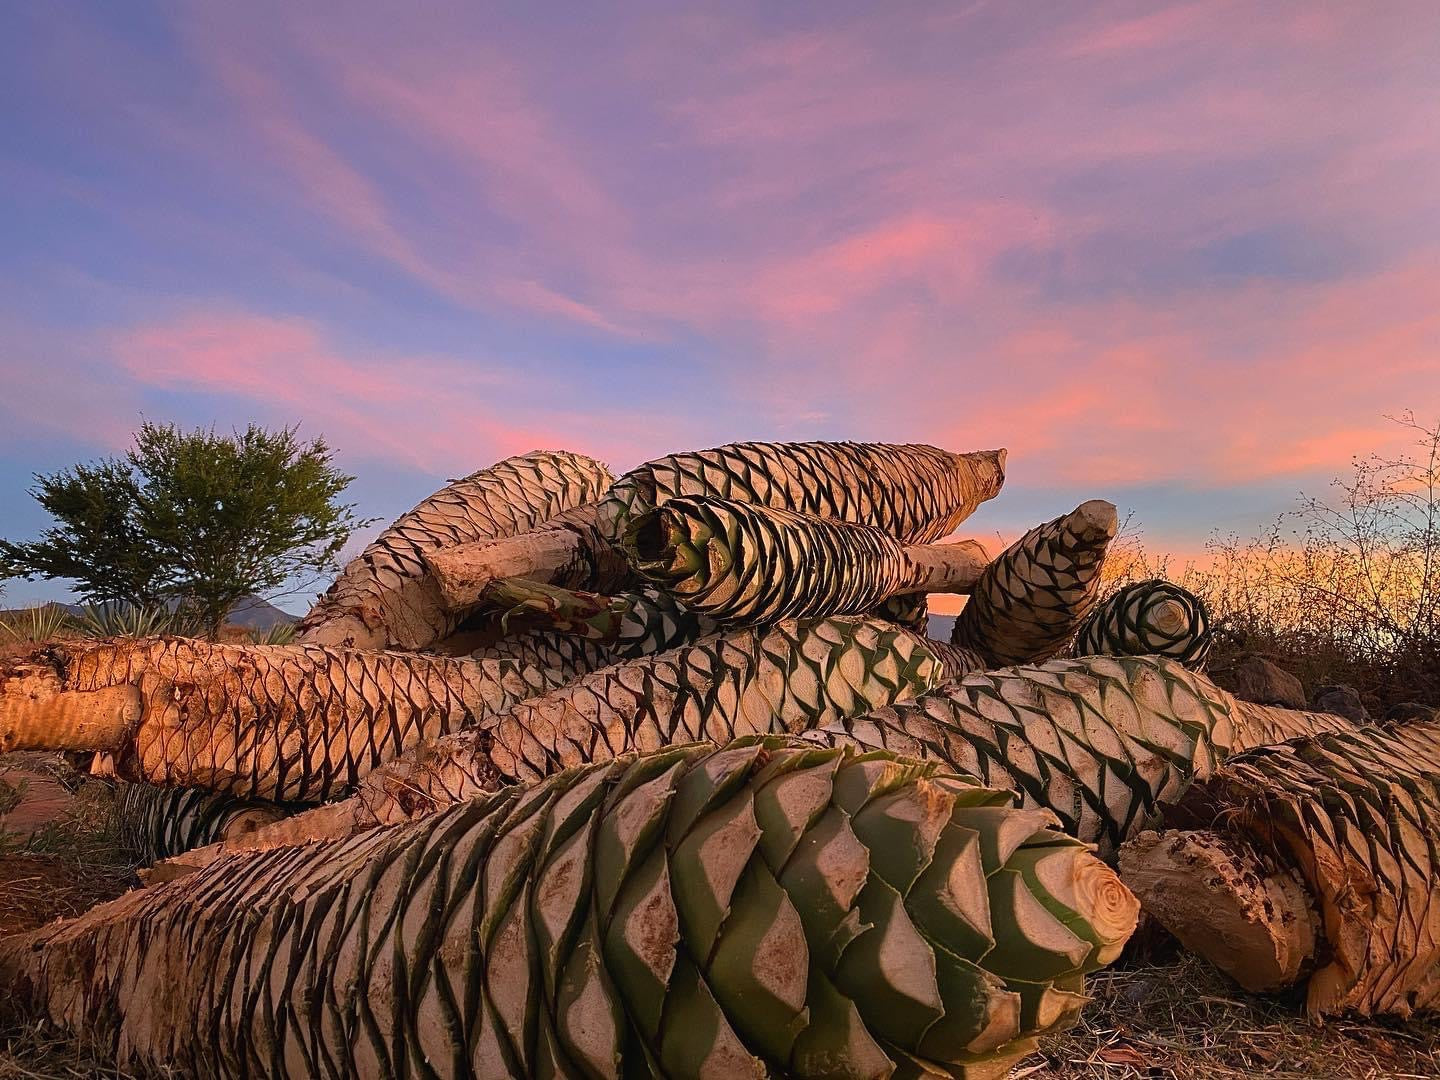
1223, 902
39, 709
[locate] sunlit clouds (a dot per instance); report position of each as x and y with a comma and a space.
1156, 250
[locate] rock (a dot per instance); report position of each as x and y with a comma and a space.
1408, 712
1342, 701
1253, 678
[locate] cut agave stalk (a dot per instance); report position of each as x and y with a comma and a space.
784, 679
1149, 618
1344, 825
384, 599
697, 912
157, 823
911, 611
914, 493
1030, 601
283, 722
1099, 741
630, 624
740, 563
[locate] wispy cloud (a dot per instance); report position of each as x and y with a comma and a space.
434, 414
1136, 245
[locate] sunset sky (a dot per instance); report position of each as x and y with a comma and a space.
1183, 257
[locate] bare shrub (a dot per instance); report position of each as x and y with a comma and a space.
1341, 589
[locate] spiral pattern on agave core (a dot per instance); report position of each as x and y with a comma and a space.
1148, 618
910, 610
1100, 742
1030, 601
157, 823
379, 587
786, 678
757, 909
294, 722
742, 563
914, 493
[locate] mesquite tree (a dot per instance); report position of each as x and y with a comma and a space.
195, 517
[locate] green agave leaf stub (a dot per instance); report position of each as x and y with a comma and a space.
762, 908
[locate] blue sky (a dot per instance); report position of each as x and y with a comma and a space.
1184, 257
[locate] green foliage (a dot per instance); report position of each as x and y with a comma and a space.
279, 634
98, 539
43, 623
133, 620
198, 517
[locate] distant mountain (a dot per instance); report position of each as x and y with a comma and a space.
256, 614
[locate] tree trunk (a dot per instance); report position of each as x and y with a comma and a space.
1352, 820
1030, 601
754, 910
384, 598
283, 722
1101, 742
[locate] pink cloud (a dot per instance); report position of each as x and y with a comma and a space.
832, 213
942, 168
945, 256
1164, 27
526, 173
1222, 387
437, 414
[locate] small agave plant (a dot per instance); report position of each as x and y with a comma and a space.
279, 634
109, 620
43, 623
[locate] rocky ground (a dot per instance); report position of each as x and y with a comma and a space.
1158, 1015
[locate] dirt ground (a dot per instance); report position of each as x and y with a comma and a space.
1170, 1016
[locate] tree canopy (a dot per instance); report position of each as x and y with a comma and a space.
197, 517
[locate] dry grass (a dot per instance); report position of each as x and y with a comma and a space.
69, 864
39, 1052
62, 869
1184, 1020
